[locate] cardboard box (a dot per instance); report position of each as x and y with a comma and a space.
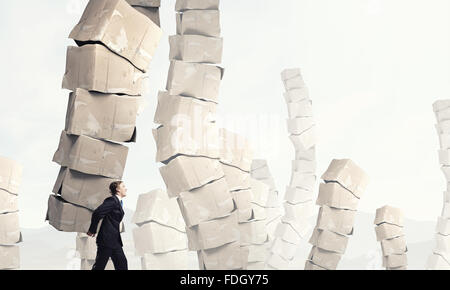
207, 203
304, 166
259, 213
151, 13
300, 109
260, 192
295, 195
186, 173
236, 178
227, 257
81, 189
172, 110
387, 231
334, 195
395, 261
214, 234
261, 173
95, 68
347, 174
199, 22
153, 238
336, 220
156, 206
298, 126
259, 164
91, 156
294, 83
444, 157
297, 95
235, 150
301, 211
86, 265
278, 263
305, 154
257, 253
446, 171
145, 3
182, 5
442, 245
202, 141
8, 202
102, 116
10, 175
243, 203
10, 229
329, 241
290, 73
325, 259
196, 48
444, 141
274, 200
196, 80
287, 233
447, 195
168, 261
86, 247
437, 262
306, 181
443, 127
300, 226
310, 266
443, 226
121, 28
283, 249
9, 257
395, 246
67, 217
305, 140
390, 215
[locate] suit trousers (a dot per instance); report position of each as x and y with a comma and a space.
117, 256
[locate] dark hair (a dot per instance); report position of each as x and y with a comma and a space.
113, 187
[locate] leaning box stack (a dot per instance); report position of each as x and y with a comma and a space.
10, 234
106, 74
389, 223
188, 138
440, 258
291, 232
160, 238
339, 195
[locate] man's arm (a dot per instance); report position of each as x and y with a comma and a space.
100, 213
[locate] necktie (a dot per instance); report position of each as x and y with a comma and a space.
121, 203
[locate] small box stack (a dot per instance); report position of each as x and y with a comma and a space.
106, 74
294, 227
86, 248
10, 234
440, 258
160, 239
339, 195
389, 230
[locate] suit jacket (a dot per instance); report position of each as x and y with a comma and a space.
112, 213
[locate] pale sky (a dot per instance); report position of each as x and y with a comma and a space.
374, 69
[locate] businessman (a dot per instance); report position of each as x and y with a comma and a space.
109, 242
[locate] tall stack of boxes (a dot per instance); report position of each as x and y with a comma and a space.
188, 138
339, 195
160, 238
294, 227
10, 234
440, 258
106, 74
86, 248
389, 223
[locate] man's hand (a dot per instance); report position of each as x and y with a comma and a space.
90, 234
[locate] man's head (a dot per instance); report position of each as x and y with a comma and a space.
118, 188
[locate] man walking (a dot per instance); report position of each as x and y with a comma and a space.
109, 241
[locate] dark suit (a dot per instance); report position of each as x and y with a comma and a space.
109, 241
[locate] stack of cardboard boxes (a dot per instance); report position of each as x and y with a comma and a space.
440, 258
86, 248
339, 195
160, 239
105, 73
10, 234
389, 230
188, 138
299, 207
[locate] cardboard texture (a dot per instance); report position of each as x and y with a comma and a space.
154, 238
195, 80
387, 231
396, 246
10, 175
443, 226
390, 215
121, 28
9, 257
257, 253
336, 220
151, 13
300, 226
260, 192
102, 116
253, 233
329, 241
261, 173
259, 213
227, 257
214, 234
284, 249
295, 195
8, 202
298, 126
207, 203
305, 154
199, 22
177, 260
243, 199
278, 263
299, 211
442, 245
347, 174
196, 48
325, 259
10, 229
186, 140
172, 110
310, 266
236, 178
91, 156
81, 189
235, 150
334, 195
395, 261
287, 233
186, 173
304, 181
437, 262
297, 95
300, 109
67, 217
183, 5
86, 247
94, 68
145, 3
290, 73
305, 140
156, 206
304, 166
